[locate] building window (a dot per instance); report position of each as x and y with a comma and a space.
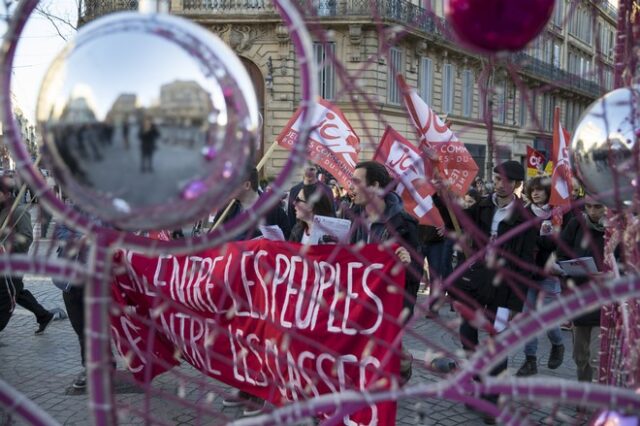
524, 111
324, 54
426, 77
467, 93
558, 13
395, 67
447, 89
557, 55
548, 104
500, 104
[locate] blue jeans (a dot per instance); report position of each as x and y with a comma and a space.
551, 288
440, 256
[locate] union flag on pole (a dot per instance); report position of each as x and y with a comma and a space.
561, 183
407, 165
535, 162
333, 144
454, 162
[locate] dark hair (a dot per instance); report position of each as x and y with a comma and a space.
253, 178
319, 200
538, 182
475, 194
376, 172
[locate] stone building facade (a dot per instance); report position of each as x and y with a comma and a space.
570, 64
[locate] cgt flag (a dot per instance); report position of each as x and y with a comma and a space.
561, 183
535, 162
333, 144
409, 168
454, 162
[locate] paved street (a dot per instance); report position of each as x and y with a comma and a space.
43, 368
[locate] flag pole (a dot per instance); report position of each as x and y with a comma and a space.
260, 165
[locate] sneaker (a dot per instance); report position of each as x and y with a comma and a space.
529, 368
42, 326
81, 380
556, 356
236, 399
254, 406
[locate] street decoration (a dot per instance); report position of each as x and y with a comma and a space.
498, 25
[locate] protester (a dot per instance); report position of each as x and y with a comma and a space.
311, 201
495, 216
249, 194
437, 247
73, 247
309, 177
383, 218
538, 191
584, 237
16, 237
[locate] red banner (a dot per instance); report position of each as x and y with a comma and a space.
260, 317
455, 163
333, 144
535, 162
407, 165
561, 179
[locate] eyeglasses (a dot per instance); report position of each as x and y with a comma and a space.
299, 200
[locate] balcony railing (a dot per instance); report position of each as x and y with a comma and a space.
228, 6
554, 74
95, 8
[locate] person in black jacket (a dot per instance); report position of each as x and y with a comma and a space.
547, 287
309, 177
247, 197
584, 237
383, 218
494, 216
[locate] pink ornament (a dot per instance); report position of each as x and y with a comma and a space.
495, 25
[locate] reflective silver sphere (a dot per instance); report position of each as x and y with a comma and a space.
148, 121
604, 146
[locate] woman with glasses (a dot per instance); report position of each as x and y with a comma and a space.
547, 286
310, 201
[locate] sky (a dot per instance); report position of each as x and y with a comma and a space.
37, 48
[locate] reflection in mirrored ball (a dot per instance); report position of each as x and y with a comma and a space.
148, 121
604, 146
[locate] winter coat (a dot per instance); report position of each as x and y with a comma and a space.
21, 236
521, 246
574, 237
395, 223
275, 216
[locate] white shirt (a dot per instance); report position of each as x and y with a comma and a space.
501, 213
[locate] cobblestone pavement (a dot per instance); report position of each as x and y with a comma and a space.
43, 368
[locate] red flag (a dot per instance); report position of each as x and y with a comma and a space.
333, 144
407, 165
454, 162
535, 162
561, 184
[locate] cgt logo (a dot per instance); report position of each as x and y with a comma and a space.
405, 162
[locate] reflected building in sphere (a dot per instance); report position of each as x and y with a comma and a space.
570, 64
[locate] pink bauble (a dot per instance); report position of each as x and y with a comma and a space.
495, 25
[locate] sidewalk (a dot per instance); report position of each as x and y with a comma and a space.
43, 368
